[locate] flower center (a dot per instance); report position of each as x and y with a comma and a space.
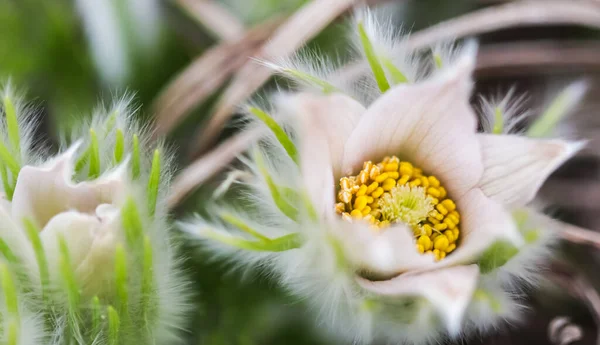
397, 192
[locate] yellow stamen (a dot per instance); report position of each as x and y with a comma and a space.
395, 191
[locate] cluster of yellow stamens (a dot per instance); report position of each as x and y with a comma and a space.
393, 191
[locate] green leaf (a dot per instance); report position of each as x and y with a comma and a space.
6, 184
119, 147
13, 333
94, 154
279, 244
280, 134
32, 231
132, 223
12, 124
437, 59
114, 323
9, 161
560, 107
10, 291
154, 182
121, 279
498, 121
483, 296
373, 60
135, 157
8, 253
238, 223
325, 86
396, 74
496, 256
68, 276
147, 279
284, 206
96, 317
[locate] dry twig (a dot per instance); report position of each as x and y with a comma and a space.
300, 27
205, 75
202, 169
217, 19
289, 37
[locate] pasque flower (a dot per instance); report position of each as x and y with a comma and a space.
394, 217
87, 256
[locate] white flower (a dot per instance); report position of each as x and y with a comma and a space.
398, 221
85, 237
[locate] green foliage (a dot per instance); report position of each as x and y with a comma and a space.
496, 256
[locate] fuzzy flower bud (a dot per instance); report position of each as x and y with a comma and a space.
84, 238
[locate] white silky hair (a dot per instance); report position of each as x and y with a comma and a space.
510, 104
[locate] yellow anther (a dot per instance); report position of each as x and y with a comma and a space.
414, 183
362, 190
356, 214
363, 177
374, 172
450, 205
425, 241
394, 191
449, 235
366, 210
372, 187
346, 183
360, 202
450, 223
433, 182
381, 177
434, 192
455, 232
441, 208
403, 180
391, 167
393, 174
442, 192
377, 193
441, 243
433, 220
405, 168
345, 196
388, 184
427, 229
440, 226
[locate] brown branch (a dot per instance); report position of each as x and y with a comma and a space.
577, 235
287, 40
205, 75
571, 194
299, 28
214, 17
206, 166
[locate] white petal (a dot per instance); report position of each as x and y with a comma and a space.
515, 167
448, 289
387, 252
429, 123
324, 124
336, 114
43, 192
380, 253
77, 229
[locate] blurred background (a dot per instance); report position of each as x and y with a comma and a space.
187, 62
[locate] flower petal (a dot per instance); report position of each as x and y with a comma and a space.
429, 123
515, 167
324, 123
336, 114
448, 289
384, 253
45, 191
